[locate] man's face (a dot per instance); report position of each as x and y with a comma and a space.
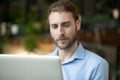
63, 29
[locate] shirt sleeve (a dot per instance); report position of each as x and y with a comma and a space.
101, 71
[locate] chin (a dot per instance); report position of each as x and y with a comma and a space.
63, 47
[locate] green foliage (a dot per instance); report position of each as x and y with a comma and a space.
30, 43
3, 39
32, 30
1, 45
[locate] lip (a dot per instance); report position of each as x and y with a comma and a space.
62, 40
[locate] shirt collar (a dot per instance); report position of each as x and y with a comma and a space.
78, 54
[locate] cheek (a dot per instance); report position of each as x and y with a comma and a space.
72, 35
53, 33
71, 31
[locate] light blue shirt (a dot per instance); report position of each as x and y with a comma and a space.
84, 65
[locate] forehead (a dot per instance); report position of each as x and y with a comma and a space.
59, 17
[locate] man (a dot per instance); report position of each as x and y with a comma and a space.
77, 62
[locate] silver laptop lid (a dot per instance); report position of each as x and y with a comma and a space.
25, 67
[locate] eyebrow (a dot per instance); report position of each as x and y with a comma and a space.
63, 23
66, 22
53, 24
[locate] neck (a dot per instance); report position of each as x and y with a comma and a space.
67, 53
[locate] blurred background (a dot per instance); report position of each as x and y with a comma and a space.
24, 29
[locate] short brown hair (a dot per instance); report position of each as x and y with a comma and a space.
64, 5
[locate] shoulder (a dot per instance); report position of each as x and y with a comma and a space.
98, 65
94, 59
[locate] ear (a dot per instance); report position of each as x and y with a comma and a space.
78, 23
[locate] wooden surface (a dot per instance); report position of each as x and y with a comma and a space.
106, 37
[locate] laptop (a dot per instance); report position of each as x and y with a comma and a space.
30, 67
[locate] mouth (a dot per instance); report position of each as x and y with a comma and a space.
62, 40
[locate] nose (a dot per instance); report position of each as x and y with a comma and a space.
61, 30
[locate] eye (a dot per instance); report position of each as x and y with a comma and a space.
54, 26
66, 25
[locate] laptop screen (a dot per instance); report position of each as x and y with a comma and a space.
30, 67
